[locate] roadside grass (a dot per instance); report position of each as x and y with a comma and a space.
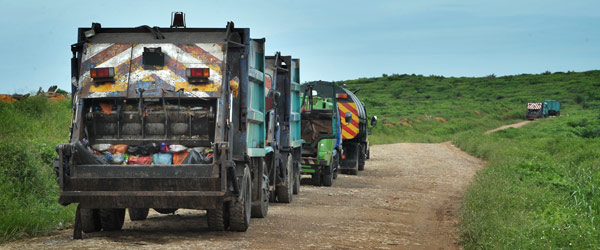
29, 132
540, 188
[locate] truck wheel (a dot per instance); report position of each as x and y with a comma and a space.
217, 218
90, 220
336, 166
328, 178
112, 218
138, 213
261, 207
316, 179
362, 157
354, 170
165, 210
239, 208
285, 192
297, 179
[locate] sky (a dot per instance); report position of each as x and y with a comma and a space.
335, 40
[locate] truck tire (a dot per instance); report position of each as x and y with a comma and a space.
217, 218
336, 166
112, 218
285, 191
90, 220
354, 170
165, 210
316, 179
297, 178
240, 207
328, 175
362, 155
260, 208
138, 213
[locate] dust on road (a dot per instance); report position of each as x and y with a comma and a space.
407, 198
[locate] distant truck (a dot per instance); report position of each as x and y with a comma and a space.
542, 109
141, 89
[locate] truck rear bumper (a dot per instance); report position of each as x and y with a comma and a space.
144, 199
196, 186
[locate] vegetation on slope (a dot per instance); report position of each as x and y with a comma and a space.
541, 184
431, 109
29, 132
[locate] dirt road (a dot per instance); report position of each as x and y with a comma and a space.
407, 198
514, 125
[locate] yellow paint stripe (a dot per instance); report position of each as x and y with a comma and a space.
345, 110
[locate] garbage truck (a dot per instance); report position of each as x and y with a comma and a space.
165, 118
542, 109
346, 142
282, 119
321, 133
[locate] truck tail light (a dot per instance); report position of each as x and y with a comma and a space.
341, 96
197, 75
103, 74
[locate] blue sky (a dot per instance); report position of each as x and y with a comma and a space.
334, 40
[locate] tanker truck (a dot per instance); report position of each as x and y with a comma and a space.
165, 118
355, 142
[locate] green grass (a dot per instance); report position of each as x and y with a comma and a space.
415, 108
540, 188
29, 133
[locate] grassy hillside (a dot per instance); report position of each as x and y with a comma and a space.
541, 185
431, 109
29, 133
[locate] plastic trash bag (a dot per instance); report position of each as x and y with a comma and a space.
179, 157
197, 158
118, 149
193, 157
164, 148
118, 158
176, 148
83, 156
100, 147
144, 149
162, 159
139, 160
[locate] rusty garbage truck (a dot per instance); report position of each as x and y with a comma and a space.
167, 118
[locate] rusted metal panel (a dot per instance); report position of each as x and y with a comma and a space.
137, 171
144, 184
137, 199
117, 55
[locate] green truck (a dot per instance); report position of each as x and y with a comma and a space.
321, 133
